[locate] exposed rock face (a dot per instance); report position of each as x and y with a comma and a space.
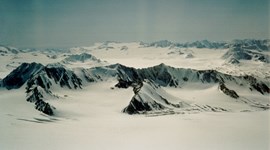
64, 77
20, 75
39, 86
239, 52
262, 88
39, 80
137, 106
44, 107
227, 91
123, 84
257, 85
149, 97
35, 95
81, 58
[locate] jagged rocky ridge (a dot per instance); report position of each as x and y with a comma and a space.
20, 75
41, 78
238, 52
164, 75
151, 99
148, 97
83, 57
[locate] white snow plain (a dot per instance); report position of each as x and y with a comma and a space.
92, 119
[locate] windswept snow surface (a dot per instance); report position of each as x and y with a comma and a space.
93, 118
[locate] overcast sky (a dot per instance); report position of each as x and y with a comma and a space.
67, 23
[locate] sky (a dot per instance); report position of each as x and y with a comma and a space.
68, 23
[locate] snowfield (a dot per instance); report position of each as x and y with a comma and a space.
92, 119
159, 95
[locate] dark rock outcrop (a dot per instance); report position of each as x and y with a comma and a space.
138, 103
44, 107
35, 95
21, 74
227, 91
123, 84
149, 97
257, 85
137, 106
63, 77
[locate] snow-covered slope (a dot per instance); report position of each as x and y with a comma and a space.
88, 118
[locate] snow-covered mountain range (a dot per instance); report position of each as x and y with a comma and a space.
79, 67
134, 80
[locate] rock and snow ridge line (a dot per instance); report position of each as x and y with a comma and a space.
164, 75
238, 52
263, 45
152, 100
41, 78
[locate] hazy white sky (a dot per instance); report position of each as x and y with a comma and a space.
66, 23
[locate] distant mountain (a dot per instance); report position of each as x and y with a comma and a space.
251, 44
162, 43
204, 44
107, 45
6, 50
196, 44
83, 57
238, 52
